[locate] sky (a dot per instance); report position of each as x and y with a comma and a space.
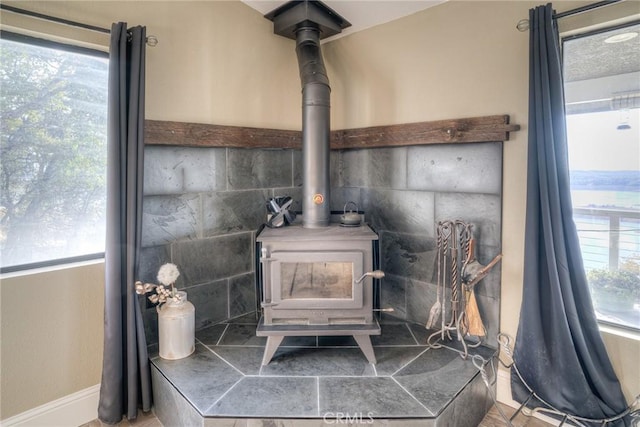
596, 144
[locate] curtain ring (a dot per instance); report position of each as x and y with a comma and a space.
522, 25
152, 41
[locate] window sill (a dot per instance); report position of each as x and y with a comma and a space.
619, 332
47, 269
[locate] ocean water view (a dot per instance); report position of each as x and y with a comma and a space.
606, 198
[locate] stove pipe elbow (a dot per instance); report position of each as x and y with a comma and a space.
309, 54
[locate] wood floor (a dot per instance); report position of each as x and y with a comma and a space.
492, 419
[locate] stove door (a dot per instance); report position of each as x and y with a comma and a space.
316, 280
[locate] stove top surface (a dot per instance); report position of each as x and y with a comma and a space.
334, 231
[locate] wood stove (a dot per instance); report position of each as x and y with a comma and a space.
315, 276
317, 281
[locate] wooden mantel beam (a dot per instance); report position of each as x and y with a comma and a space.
475, 129
203, 135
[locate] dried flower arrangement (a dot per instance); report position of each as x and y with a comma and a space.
167, 276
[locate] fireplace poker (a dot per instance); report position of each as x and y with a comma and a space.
436, 309
455, 280
445, 231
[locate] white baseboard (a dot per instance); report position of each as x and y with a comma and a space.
69, 411
503, 395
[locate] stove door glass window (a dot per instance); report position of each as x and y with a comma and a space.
316, 279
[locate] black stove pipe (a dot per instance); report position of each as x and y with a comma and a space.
307, 22
315, 128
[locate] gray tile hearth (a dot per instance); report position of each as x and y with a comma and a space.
202, 377
444, 371
317, 362
269, 397
242, 335
379, 397
392, 359
312, 378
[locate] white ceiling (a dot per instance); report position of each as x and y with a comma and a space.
361, 13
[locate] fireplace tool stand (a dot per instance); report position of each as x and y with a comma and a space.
456, 250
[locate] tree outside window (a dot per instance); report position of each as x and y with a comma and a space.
53, 122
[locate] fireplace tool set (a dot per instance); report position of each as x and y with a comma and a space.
457, 268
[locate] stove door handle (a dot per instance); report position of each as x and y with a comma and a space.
376, 274
268, 304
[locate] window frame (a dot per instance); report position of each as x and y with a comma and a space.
573, 35
71, 48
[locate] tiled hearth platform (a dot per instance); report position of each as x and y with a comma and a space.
316, 381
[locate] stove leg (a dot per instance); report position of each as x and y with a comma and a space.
273, 341
364, 342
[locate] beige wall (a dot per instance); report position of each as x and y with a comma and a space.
51, 335
218, 62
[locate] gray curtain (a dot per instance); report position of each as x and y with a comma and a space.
126, 384
559, 351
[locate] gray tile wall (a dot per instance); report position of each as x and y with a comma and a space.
203, 206
405, 192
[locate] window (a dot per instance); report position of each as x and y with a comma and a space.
53, 127
602, 88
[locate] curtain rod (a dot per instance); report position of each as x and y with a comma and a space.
523, 24
151, 40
